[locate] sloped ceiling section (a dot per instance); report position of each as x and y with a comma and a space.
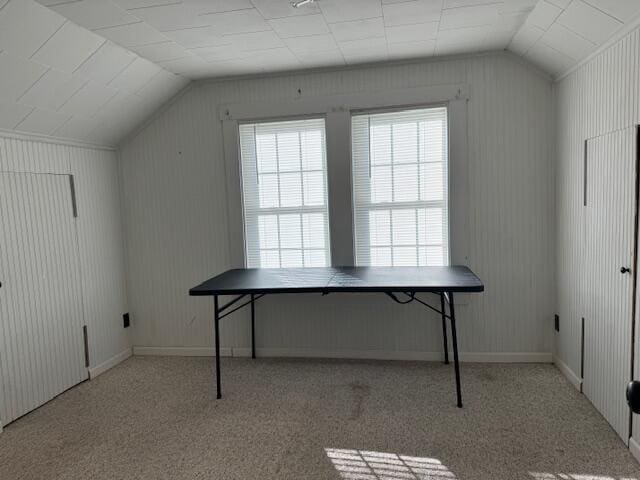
558, 34
62, 80
210, 38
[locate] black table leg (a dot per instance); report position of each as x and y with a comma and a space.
217, 340
454, 338
253, 328
444, 329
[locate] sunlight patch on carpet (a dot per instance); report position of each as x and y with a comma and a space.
370, 465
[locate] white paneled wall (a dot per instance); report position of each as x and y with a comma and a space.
99, 232
175, 214
101, 252
600, 97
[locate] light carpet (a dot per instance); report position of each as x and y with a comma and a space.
157, 418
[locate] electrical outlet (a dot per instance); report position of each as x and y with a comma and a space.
557, 323
125, 319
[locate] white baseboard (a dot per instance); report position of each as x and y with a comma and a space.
181, 351
575, 380
634, 448
110, 363
357, 354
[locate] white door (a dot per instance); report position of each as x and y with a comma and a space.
41, 331
609, 239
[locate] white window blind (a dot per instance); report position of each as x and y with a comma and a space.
284, 179
400, 187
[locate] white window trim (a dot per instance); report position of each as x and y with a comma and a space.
337, 111
416, 204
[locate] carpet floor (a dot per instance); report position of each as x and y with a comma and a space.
156, 418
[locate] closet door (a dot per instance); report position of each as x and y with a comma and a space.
41, 327
610, 214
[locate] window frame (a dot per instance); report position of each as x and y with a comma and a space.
417, 204
337, 111
249, 240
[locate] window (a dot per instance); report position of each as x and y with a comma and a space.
400, 187
284, 172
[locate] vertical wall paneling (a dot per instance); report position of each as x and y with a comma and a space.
101, 251
98, 242
599, 98
175, 213
40, 299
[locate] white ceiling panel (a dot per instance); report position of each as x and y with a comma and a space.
518, 6
77, 127
416, 11
11, 114
234, 67
548, 58
215, 53
283, 8
191, 63
17, 75
52, 90
312, 43
623, 10
474, 16
331, 57
464, 3
237, 21
418, 32
130, 4
135, 76
43, 122
299, 26
171, 17
68, 48
560, 3
254, 41
88, 100
589, 22
106, 63
25, 26
162, 87
157, 52
509, 22
411, 49
94, 14
543, 15
341, 11
276, 58
565, 41
216, 6
196, 37
525, 38
467, 36
364, 51
496, 40
357, 29
133, 34
457, 48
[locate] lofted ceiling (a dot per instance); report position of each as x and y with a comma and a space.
60, 79
93, 70
558, 34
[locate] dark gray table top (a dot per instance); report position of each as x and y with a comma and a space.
340, 279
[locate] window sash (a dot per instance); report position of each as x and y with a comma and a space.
310, 211
431, 149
